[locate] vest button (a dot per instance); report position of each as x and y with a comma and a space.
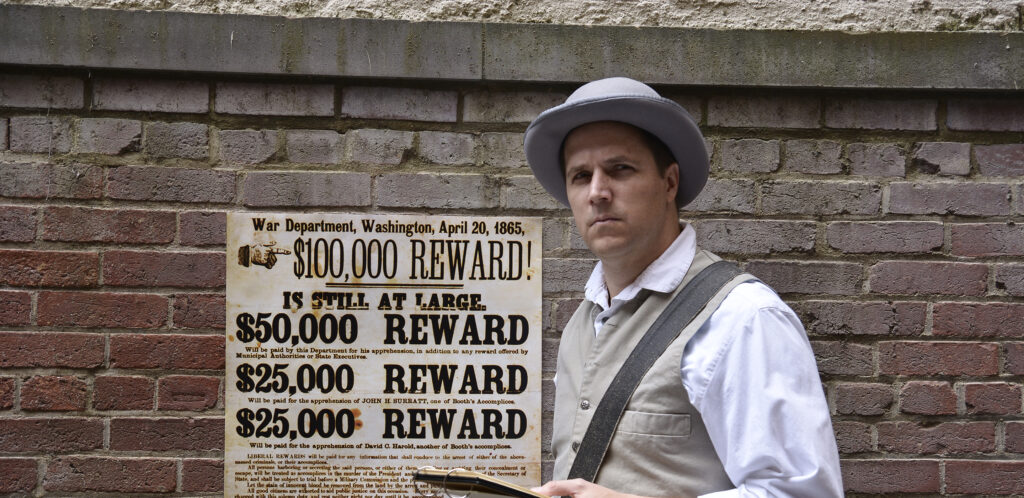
585, 405
575, 446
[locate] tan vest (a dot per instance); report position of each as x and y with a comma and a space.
660, 446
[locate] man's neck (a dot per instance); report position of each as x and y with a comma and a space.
621, 272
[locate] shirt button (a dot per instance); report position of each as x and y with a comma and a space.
585, 405
575, 446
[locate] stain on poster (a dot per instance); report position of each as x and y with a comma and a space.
361, 347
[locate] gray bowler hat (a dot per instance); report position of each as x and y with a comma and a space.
627, 101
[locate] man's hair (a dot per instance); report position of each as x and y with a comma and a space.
662, 156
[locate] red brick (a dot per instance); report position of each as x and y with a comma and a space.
926, 397
151, 95
157, 183
7, 388
73, 224
15, 308
1010, 278
275, 99
18, 474
41, 134
53, 393
188, 392
101, 309
1005, 160
198, 311
111, 392
764, 112
565, 274
564, 310
49, 268
820, 198
50, 435
170, 351
891, 476
1015, 437
750, 155
726, 195
987, 114
852, 437
878, 114
816, 157
39, 349
197, 228
938, 358
987, 239
978, 320
51, 181
453, 191
166, 434
124, 475
306, 189
809, 278
944, 158
994, 398
876, 159
184, 140
926, 277
163, 269
941, 439
862, 399
985, 477
882, 237
843, 358
198, 475
42, 92
964, 199
841, 318
755, 236
1014, 354
17, 224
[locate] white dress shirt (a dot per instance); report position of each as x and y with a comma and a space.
751, 374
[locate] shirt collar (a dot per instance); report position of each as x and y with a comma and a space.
662, 275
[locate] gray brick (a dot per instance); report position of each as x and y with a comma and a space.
151, 95
1000, 160
524, 192
247, 146
264, 189
986, 239
725, 195
819, 277
862, 318
897, 236
750, 155
819, 198
945, 158
818, 157
399, 103
41, 134
434, 191
692, 104
314, 146
198, 228
378, 146
1009, 277
275, 99
554, 233
986, 114
108, 136
44, 92
872, 159
966, 199
767, 112
504, 150
446, 148
507, 107
184, 140
566, 275
755, 237
878, 114
3, 133
157, 183
17, 224
47, 181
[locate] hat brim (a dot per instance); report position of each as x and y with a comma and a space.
661, 117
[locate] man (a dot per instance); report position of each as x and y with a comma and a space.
734, 405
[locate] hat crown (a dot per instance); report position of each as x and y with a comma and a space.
611, 87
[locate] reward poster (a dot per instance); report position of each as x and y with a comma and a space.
361, 347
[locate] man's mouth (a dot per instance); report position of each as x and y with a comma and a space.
603, 219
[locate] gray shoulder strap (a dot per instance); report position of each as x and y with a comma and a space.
679, 313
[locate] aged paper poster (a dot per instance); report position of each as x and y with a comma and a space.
361, 347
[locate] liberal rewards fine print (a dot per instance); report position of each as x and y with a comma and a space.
362, 347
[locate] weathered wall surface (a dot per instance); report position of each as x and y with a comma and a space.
841, 15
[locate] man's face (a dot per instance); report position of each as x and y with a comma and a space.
623, 207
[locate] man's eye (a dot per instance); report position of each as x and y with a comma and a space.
582, 175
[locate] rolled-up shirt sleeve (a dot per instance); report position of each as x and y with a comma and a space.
752, 375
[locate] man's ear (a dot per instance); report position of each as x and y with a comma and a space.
672, 179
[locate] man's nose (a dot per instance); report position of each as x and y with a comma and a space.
600, 186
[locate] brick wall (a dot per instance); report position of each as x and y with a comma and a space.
892, 222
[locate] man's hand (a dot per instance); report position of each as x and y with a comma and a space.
578, 488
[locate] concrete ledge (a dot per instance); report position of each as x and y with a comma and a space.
256, 45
